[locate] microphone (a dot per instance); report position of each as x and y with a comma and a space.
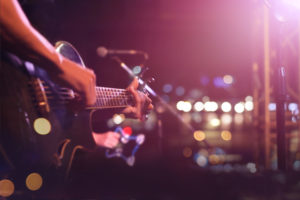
103, 52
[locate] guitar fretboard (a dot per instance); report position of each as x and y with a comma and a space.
111, 98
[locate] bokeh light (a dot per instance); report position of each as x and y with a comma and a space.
199, 135
198, 106
248, 98
185, 106
226, 135
118, 118
215, 122
187, 152
214, 159
204, 80
201, 160
7, 188
251, 167
272, 106
196, 117
210, 106
180, 91
238, 119
136, 70
167, 88
226, 106
219, 83
293, 107
42, 126
34, 181
226, 119
249, 105
228, 79
239, 107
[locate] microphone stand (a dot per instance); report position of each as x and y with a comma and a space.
159, 99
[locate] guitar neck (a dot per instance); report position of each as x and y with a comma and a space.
112, 98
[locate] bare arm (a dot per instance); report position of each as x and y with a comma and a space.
18, 36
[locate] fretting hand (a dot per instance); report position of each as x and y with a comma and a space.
108, 139
143, 104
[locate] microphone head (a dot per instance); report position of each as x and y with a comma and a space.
102, 51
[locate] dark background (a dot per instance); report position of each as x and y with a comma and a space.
185, 40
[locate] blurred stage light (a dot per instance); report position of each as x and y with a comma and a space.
166, 98
205, 98
210, 106
198, 106
187, 106
249, 106
239, 107
204, 80
226, 119
215, 122
226, 135
187, 152
136, 70
199, 136
272, 106
180, 105
180, 91
118, 119
195, 93
184, 106
34, 181
251, 167
238, 119
42, 126
7, 188
228, 79
201, 160
293, 107
219, 82
167, 88
214, 159
226, 106
248, 98
196, 117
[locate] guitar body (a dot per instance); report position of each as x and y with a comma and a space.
27, 95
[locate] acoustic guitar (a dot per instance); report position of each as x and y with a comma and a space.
38, 128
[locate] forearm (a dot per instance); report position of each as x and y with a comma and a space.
19, 37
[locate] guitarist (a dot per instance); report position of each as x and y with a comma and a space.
21, 41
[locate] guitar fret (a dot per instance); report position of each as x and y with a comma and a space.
112, 97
